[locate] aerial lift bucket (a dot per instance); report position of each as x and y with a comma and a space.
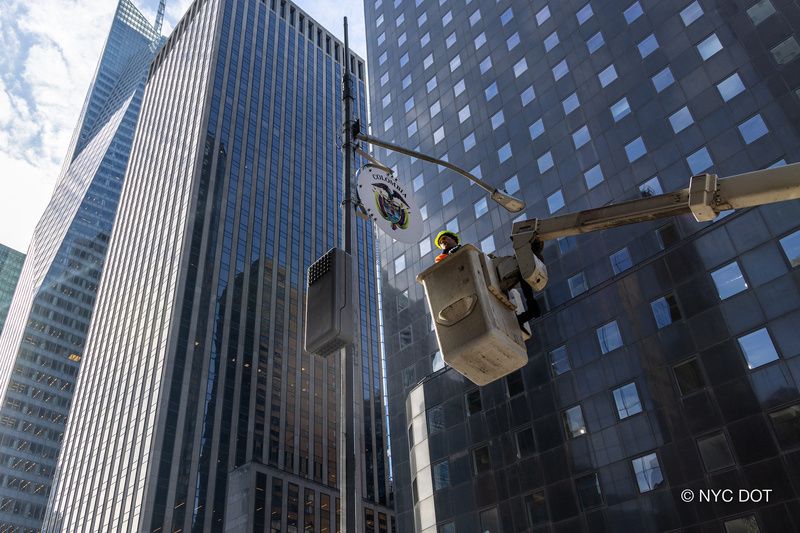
476, 325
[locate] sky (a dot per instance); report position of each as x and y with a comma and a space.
48, 53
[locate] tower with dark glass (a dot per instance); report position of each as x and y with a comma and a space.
197, 409
44, 337
10, 267
666, 358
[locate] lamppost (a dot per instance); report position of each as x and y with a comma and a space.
331, 297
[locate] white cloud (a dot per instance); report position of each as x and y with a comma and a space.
48, 54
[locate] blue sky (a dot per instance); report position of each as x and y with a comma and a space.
48, 53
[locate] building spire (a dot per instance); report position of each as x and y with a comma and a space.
160, 16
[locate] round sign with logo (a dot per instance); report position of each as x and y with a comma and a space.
389, 204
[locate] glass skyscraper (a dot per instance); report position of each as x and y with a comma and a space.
44, 337
666, 358
10, 268
197, 409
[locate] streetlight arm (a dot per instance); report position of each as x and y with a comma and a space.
510, 203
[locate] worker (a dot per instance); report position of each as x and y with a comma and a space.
449, 242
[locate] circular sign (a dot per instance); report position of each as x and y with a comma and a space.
387, 203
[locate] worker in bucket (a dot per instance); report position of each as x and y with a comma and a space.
449, 243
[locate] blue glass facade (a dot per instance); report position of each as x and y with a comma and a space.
10, 268
44, 339
665, 359
199, 348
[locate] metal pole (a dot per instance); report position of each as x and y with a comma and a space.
349, 483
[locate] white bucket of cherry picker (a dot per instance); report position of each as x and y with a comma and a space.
476, 325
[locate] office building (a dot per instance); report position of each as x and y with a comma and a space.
197, 409
10, 267
43, 340
666, 358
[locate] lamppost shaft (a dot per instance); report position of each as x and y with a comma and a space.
349, 482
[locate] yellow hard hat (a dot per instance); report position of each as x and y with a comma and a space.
447, 232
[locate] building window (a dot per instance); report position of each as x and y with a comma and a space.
480, 40
447, 195
729, 280
537, 507
406, 337
545, 162
757, 348
699, 161
386, 100
526, 445
555, 201
650, 188
691, 13
511, 185
504, 153
627, 401
402, 301
745, 524
481, 460
565, 244
498, 120
786, 424
665, 311
648, 472
730, 87
760, 11
481, 207
551, 41
635, 149
400, 264
620, 109
437, 361
490, 522
621, 260
595, 42
593, 177
452, 225
584, 14
542, 15
527, 96
608, 75
581, 137
689, 377
633, 12
753, 129
559, 361
486, 64
520, 67
435, 108
441, 475
609, 337
573, 422
469, 142
464, 114
491, 91
663, 79
455, 63
560, 70
791, 248
487, 245
715, 452
424, 247
425, 39
577, 284
570, 104
648, 45
435, 418
668, 235
589, 492
512, 41
474, 404
475, 17
506, 17
418, 182
411, 129
681, 119
515, 384
709, 46
423, 211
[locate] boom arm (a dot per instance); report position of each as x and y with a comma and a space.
705, 198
